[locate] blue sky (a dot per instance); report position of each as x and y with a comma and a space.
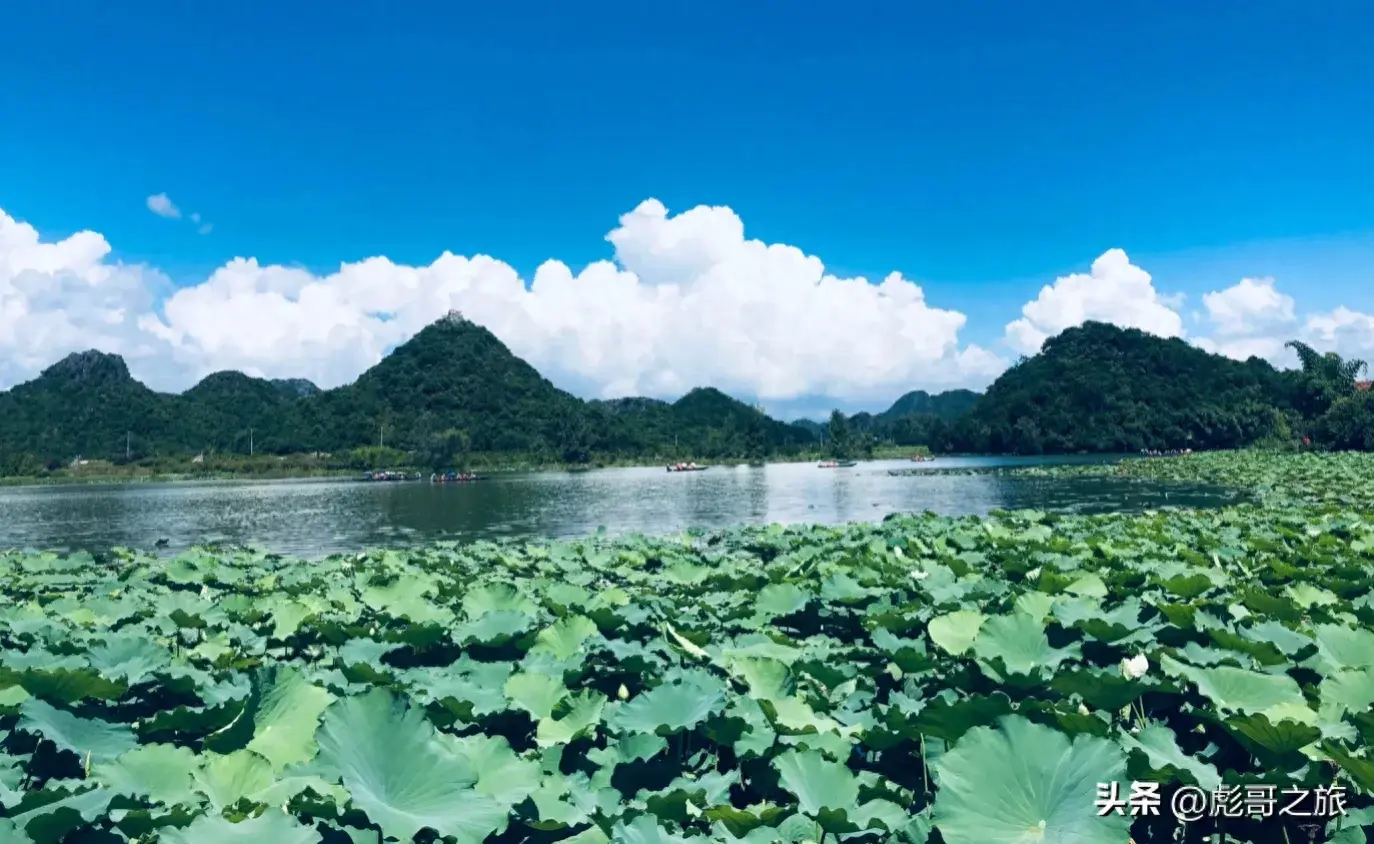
981, 149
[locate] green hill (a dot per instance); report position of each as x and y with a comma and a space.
948, 405
85, 404
1100, 388
454, 390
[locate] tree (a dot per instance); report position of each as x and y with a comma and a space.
1349, 424
840, 435
574, 441
446, 449
1326, 378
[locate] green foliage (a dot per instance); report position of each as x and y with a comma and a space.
454, 397
451, 393
970, 678
1325, 378
1349, 422
1100, 388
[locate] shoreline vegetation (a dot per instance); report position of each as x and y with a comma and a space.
454, 398
924, 678
307, 467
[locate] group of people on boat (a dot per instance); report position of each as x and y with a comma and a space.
1167, 452
684, 467
452, 477
388, 475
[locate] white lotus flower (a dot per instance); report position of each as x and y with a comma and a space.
1135, 667
1083, 710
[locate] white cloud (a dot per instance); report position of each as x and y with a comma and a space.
1349, 331
688, 301
65, 296
161, 205
1249, 307
1115, 291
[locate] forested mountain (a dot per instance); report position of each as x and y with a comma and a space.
455, 389
1101, 388
87, 403
452, 389
948, 405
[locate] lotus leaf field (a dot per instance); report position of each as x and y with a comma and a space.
926, 679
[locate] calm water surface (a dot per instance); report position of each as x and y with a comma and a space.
315, 518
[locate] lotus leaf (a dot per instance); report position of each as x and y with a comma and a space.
1160, 748
160, 772
1017, 644
388, 757
89, 738
285, 717
672, 707
227, 779
956, 631
1024, 782
272, 825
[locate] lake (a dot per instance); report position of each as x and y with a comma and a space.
313, 518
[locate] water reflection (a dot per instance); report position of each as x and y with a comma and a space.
314, 518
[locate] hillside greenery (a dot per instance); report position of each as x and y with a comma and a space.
454, 395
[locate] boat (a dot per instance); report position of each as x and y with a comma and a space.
390, 475
921, 458
687, 467
837, 464
455, 478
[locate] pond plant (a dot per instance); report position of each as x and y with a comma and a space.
925, 679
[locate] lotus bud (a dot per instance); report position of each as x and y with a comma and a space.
1135, 667
622, 692
1083, 710
1033, 573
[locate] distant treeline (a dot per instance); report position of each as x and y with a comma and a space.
454, 391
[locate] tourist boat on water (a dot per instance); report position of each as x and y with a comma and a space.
390, 475
455, 478
837, 464
921, 458
686, 467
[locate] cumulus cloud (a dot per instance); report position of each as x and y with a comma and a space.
1250, 319
1349, 331
1248, 307
684, 300
65, 296
1114, 290
161, 205
688, 300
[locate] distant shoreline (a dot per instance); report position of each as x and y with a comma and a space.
264, 471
